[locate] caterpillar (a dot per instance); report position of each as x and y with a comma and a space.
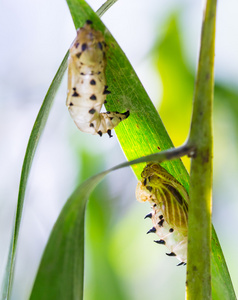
169, 203
87, 89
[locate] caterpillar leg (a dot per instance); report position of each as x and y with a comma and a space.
94, 122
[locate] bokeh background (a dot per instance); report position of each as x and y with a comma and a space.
161, 40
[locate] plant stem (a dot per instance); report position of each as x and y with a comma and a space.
102, 9
200, 207
159, 157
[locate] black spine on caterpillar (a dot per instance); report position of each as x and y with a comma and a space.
169, 203
87, 89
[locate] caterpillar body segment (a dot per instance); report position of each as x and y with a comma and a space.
87, 89
169, 203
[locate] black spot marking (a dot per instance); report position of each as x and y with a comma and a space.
171, 230
171, 254
100, 132
91, 125
99, 72
161, 242
106, 92
93, 97
82, 73
93, 82
108, 112
126, 114
111, 118
154, 205
75, 94
78, 54
161, 217
70, 104
153, 229
88, 22
161, 223
149, 188
105, 101
76, 45
144, 182
84, 47
109, 133
148, 216
92, 111
120, 118
100, 45
181, 264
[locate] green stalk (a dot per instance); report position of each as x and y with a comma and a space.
200, 207
105, 7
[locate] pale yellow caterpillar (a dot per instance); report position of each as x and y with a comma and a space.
87, 89
168, 199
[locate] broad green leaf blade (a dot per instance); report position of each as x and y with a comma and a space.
102, 221
60, 275
222, 277
143, 132
30, 152
138, 135
61, 272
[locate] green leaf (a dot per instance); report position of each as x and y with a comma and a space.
143, 132
30, 152
60, 275
61, 272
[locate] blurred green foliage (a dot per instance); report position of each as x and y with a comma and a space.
177, 81
102, 280
176, 104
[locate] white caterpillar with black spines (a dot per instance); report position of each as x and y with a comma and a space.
87, 89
